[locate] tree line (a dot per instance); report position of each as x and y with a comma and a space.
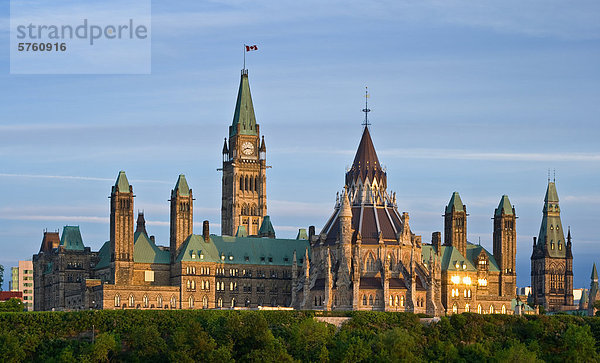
286, 336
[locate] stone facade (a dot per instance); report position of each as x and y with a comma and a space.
552, 259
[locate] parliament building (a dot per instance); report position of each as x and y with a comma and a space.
365, 257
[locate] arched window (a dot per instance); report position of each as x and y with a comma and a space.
401, 300
220, 302
205, 302
131, 301
173, 302
117, 300
479, 309
467, 308
256, 184
370, 263
233, 302
396, 300
159, 301
189, 284
391, 300
251, 186
193, 285
503, 309
316, 303
246, 183
145, 301
454, 309
491, 309
191, 302
371, 300
241, 183
207, 285
364, 299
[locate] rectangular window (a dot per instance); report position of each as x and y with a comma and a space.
149, 276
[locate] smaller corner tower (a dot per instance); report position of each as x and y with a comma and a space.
121, 231
505, 245
182, 215
455, 224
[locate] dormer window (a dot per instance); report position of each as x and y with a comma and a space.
223, 257
551, 228
193, 255
246, 258
230, 257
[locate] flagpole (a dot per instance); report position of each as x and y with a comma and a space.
244, 49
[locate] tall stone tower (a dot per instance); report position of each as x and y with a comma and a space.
552, 260
182, 215
244, 198
505, 245
455, 224
121, 231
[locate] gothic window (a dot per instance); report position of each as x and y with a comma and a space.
454, 309
131, 301
117, 300
256, 184
159, 301
396, 300
251, 182
491, 309
241, 183
402, 301
364, 299
479, 309
254, 210
503, 309
205, 302
173, 302
246, 183
191, 302
233, 302
220, 302
371, 300
391, 300
467, 308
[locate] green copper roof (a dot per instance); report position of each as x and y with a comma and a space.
103, 256
242, 250
71, 239
145, 251
182, 186
122, 184
302, 234
244, 111
594, 273
241, 232
266, 228
551, 194
551, 230
456, 203
450, 257
504, 206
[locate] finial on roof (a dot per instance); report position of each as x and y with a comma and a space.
554, 176
366, 110
548, 175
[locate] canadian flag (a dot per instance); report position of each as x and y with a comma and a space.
251, 47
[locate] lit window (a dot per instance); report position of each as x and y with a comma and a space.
117, 300
482, 282
223, 257
503, 309
159, 301
391, 300
491, 309
230, 257
191, 302
454, 309
479, 309
145, 300
173, 302
455, 279
131, 301
467, 280
467, 308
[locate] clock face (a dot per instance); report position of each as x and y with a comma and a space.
247, 148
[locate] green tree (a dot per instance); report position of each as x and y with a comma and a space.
579, 344
517, 353
310, 340
11, 348
1, 276
396, 345
12, 305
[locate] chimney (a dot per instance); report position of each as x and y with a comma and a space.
205, 231
153, 239
534, 241
436, 241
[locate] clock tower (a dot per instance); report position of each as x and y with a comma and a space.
244, 201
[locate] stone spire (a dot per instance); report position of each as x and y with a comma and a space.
551, 237
366, 164
141, 224
244, 121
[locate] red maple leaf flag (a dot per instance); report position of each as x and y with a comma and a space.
251, 47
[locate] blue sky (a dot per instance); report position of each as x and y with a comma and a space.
480, 98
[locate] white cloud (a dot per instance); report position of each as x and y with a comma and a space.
86, 178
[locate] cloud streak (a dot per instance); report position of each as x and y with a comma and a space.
71, 177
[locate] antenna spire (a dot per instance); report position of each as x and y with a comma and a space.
554, 179
366, 110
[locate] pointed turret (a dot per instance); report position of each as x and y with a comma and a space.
345, 210
266, 228
551, 237
456, 203
181, 187
225, 148
122, 184
244, 121
594, 276
366, 164
504, 207
141, 224
263, 146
